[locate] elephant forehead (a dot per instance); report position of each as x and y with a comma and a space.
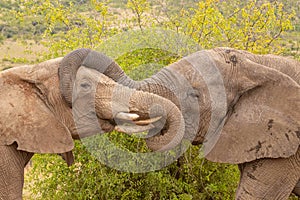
188, 72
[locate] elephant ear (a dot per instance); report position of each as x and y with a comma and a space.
26, 118
264, 121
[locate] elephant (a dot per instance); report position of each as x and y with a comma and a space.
36, 118
242, 107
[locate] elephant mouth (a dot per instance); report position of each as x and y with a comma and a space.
123, 122
130, 123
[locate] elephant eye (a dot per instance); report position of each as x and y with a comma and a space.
85, 85
194, 94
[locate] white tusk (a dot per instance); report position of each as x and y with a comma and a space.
133, 129
127, 116
147, 121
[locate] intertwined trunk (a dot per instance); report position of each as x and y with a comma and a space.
145, 104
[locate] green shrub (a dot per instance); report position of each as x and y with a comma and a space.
189, 178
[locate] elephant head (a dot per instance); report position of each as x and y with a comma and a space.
97, 96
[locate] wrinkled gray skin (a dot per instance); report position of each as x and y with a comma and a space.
36, 119
260, 128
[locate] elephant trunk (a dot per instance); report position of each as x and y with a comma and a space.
93, 60
174, 120
108, 67
67, 72
147, 106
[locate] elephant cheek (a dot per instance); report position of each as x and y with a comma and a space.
191, 128
85, 118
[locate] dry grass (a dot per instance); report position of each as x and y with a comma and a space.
15, 53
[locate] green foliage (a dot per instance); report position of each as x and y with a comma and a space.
10, 27
254, 27
143, 63
189, 178
139, 7
66, 29
15, 60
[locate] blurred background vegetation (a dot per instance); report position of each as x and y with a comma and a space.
35, 30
